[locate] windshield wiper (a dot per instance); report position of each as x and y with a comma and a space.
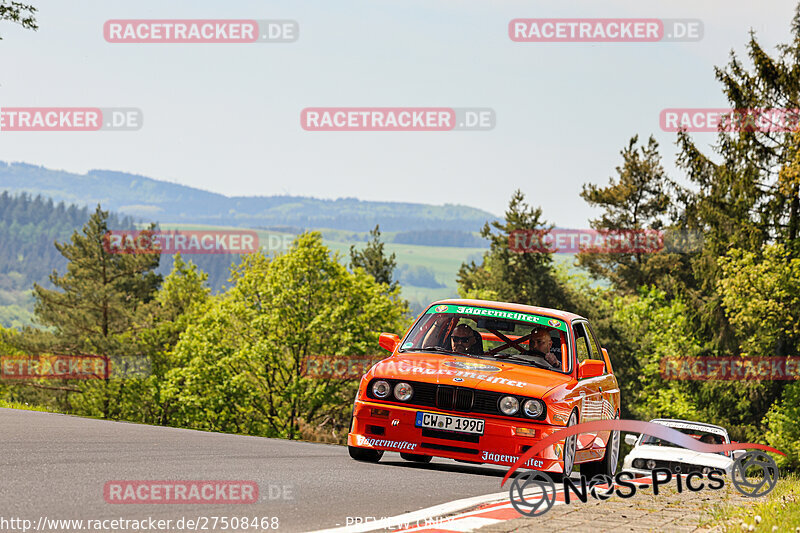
431, 349
540, 365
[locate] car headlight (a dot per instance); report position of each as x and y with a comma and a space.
403, 391
509, 405
381, 389
651, 464
638, 463
706, 470
533, 408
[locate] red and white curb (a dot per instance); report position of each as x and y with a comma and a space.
491, 514
484, 511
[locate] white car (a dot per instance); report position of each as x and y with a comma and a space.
650, 452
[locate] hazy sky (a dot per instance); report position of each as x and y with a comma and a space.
226, 117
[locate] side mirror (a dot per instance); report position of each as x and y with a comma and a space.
388, 341
591, 368
630, 438
735, 454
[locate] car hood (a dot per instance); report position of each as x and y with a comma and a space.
470, 372
681, 455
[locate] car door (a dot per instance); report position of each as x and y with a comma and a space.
589, 389
607, 385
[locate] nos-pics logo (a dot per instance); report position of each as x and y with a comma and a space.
753, 474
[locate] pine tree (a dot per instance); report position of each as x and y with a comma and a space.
638, 199
93, 309
509, 276
374, 260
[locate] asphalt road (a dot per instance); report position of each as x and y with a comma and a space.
56, 466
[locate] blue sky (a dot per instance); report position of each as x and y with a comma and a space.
225, 117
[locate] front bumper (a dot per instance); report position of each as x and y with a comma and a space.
500, 443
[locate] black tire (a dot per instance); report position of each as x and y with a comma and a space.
607, 466
365, 455
416, 458
570, 447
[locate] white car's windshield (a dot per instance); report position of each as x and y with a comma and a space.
702, 436
519, 338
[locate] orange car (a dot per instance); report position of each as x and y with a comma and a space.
480, 382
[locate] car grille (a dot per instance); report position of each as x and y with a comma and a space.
675, 467
453, 398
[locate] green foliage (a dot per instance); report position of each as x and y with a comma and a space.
22, 14
783, 423
240, 363
637, 199
504, 275
374, 261
96, 306
761, 295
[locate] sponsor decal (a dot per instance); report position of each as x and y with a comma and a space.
459, 380
403, 368
464, 365
361, 440
494, 313
510, 459
553, 322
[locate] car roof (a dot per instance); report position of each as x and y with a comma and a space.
692, 422
520, 308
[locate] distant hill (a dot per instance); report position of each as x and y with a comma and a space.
161, 201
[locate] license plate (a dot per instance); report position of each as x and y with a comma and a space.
457, 424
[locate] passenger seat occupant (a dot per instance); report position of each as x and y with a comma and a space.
541, 343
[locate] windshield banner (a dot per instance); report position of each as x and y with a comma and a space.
498, 313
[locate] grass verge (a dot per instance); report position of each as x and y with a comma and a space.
778, 511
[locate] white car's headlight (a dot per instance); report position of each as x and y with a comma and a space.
651, 464
403, 391
381, 389
533, 408
509, 405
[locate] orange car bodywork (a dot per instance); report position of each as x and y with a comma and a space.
390, 424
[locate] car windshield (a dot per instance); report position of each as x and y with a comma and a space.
702, 436
494, 334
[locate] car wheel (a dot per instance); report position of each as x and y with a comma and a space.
365, 454
570, 447
416, 458
607, 466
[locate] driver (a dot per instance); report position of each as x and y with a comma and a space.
462, 339
541, 342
